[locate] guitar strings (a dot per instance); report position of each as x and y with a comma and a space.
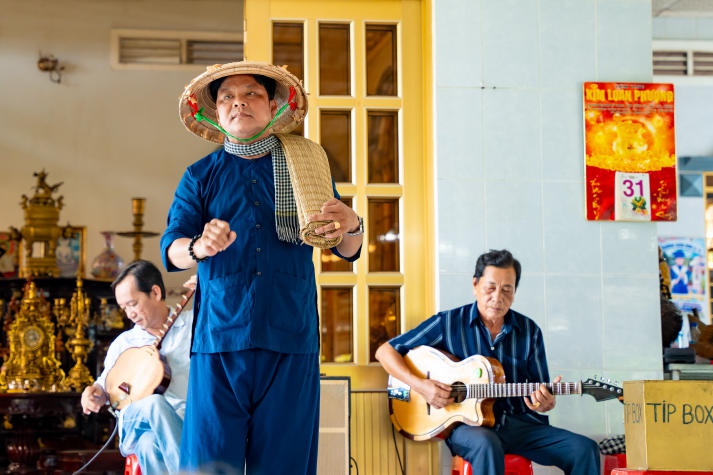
513, 389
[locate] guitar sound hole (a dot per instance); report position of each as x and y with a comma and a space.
458, 392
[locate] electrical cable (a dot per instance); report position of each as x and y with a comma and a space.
396, 447
106, 444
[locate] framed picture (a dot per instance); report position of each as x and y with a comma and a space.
9, 255
71, 251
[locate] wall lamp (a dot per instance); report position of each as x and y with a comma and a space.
50, 64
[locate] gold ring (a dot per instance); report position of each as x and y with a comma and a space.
337, 225
537, 404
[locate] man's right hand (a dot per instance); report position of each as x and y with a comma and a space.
216, 237
93, 398
437, 394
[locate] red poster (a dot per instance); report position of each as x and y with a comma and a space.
630, 156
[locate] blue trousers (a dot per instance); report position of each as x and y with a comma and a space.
252, 411
485, 447
151, 429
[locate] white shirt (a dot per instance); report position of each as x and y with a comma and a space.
175, 346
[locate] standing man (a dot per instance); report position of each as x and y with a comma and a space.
150, 427
255, 354
488, 327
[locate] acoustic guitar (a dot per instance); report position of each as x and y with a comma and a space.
142, 371
475, 384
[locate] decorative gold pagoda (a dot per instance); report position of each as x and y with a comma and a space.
31, 365
40, 232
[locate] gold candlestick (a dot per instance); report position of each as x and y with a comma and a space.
138, 206
79, 345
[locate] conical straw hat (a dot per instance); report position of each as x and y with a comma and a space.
196, 97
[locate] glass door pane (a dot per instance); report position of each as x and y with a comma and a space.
335, 137
334, 59
383, 156
384, 235
381, 65
337, 317
384, 321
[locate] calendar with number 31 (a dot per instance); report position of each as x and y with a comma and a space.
630, 154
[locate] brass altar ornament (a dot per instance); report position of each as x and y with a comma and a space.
31, 365
138, 206
110, 316
40, 232
75, 320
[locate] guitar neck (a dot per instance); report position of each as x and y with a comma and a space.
498, 390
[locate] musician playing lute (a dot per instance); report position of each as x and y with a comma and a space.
145, 374
488, 327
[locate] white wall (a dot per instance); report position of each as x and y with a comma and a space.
510, 174
690, 220
694, 137
108, 135
694, 116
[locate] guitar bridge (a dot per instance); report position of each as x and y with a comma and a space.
402, 394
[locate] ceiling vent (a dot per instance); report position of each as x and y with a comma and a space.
683, 59
670, 63
160, 49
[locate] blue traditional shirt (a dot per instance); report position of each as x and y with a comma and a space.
260, 292
519, 347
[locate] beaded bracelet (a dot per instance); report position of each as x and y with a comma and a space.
190, 249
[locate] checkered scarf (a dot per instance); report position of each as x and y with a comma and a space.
286, 218
615, 444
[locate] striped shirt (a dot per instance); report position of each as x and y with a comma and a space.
519, 347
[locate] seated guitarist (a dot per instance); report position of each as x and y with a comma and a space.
490, 328
150, 427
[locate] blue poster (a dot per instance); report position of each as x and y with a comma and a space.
687, 265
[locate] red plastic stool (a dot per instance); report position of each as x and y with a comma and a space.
514, 465
131, 467
613, 461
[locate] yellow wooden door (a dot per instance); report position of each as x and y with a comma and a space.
366, 66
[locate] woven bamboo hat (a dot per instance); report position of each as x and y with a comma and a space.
197, 111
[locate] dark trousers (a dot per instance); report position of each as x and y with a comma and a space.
485, 447
252, 411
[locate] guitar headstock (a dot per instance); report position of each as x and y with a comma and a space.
602, 390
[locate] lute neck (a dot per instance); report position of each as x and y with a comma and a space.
172, 315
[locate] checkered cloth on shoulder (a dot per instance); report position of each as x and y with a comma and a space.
613, 445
